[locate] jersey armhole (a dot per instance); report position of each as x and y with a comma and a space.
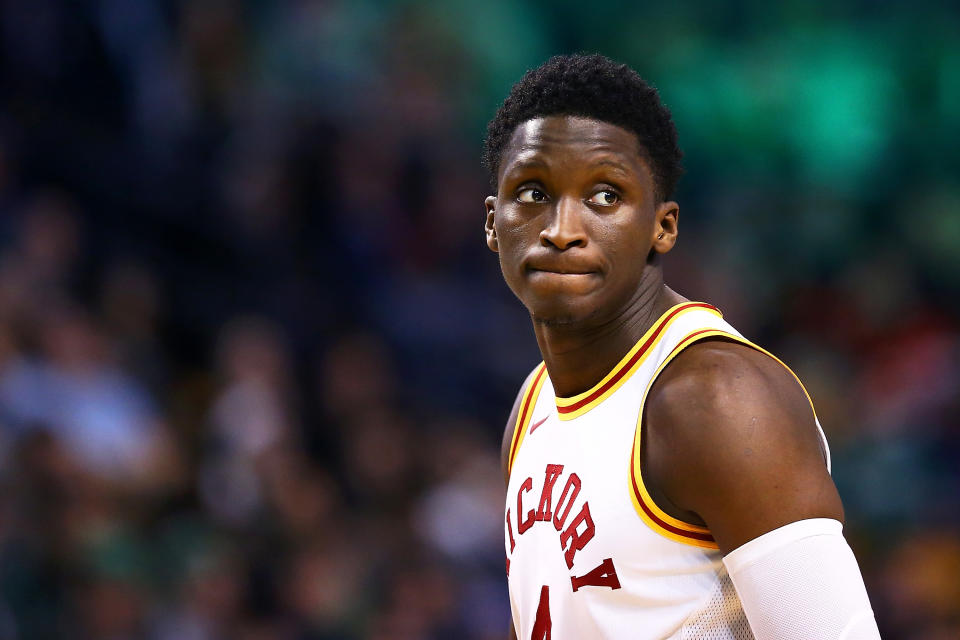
652, 515
524, 414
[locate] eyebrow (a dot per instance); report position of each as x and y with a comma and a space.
521, 165
533, 162
613, 165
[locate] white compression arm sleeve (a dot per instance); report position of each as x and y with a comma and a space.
802, 582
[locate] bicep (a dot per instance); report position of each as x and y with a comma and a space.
740, 443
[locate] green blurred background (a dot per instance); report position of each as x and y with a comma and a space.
255, 359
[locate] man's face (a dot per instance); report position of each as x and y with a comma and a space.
575, 219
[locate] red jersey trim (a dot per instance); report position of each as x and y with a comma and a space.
569, 408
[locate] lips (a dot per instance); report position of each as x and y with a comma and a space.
563, 271
561, 277
562, 267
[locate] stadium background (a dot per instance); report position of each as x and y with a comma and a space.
255, 359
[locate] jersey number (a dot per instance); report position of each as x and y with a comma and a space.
542, 624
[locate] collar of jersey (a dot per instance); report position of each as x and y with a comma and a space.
576, 406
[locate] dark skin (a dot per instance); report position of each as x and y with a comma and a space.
729, 439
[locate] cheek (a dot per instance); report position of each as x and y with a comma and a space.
626, 240
628, 248
509, 246
512, 234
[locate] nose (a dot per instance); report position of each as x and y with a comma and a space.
566, 227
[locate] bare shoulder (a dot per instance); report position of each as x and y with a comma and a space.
735, 441
724, 377
511, 425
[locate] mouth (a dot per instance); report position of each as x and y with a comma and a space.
563, 279
562, 272
565, 268
553, 282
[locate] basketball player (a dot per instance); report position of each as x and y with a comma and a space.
666, 478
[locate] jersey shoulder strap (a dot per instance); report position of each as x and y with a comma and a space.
527, 403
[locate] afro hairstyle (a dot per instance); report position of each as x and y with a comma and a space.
590, 86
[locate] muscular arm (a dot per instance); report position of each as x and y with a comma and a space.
733, 441
505, 451
731, 438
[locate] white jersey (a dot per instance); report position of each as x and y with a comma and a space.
589, 553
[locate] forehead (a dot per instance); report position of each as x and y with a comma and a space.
573, 141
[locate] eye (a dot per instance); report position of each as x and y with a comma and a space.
604, 198
531, 195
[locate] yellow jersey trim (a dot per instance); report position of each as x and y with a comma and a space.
575, 406
526, 412
651, 514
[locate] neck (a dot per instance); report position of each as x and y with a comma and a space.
578, 357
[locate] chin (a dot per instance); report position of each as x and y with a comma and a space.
561, 316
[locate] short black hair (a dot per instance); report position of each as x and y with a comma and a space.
590, 86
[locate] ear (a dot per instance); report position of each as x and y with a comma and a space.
491, 205
665, 226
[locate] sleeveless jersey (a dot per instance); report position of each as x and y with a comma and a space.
589, 553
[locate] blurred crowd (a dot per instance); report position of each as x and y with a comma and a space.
246, 496
255, 359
